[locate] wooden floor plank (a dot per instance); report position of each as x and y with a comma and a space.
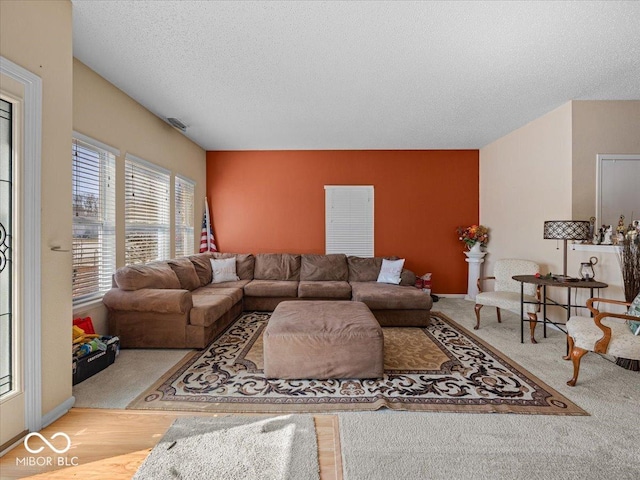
113, 443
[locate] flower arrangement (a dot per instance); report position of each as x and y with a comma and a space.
473, 234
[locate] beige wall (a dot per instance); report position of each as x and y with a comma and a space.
599, 127
545, 170
525, 179
105, 113
37, 36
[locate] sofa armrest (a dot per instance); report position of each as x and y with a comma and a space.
160, 300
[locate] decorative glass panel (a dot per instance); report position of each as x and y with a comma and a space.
6, 267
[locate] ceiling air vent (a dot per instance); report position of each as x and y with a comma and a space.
177, 123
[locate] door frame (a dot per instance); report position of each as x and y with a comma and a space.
30, 283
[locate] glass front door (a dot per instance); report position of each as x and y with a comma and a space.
12, 397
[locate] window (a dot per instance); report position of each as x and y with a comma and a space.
349, 220
184, 196
146, 211
94, 202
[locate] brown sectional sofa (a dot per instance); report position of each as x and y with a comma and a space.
173, 304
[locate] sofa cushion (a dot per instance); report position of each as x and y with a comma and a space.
332, 267
223, 270
383, 296
202, 264
271, 288
237, 284
208, 308
151, 275
364, 269
329, 289
234, 293
407, 277
156, 300
277, 266
186, 273
245, 263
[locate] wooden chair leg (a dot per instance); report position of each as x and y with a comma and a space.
498, 315
569, 348
576, 355
477, 309
533, 323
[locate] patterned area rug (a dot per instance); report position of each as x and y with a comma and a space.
442, 367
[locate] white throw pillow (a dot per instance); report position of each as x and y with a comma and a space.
224, 270
391, 271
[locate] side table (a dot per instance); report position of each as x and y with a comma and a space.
545, 282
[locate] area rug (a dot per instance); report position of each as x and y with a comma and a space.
443, 367
235, 448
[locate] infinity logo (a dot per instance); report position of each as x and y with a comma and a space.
38, 450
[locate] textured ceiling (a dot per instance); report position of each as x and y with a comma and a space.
359, 75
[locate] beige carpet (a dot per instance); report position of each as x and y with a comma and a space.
442, 367
121, 382
603, 445
235, 448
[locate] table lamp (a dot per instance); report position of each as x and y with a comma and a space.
566, 230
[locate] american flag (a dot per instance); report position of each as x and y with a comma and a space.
207, 242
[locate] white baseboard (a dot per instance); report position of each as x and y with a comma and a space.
450, 295
58, 412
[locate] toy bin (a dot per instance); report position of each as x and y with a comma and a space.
88, 365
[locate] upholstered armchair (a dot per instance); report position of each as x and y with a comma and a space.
606, 333
506, 291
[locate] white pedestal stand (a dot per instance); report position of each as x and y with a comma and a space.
475, 258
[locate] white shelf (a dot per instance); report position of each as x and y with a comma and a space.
584, 247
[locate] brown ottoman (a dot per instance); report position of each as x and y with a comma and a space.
323, 339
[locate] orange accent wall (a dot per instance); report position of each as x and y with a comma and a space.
273, 201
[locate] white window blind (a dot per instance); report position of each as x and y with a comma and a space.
349, 220
94, 205
184, 196
146, 211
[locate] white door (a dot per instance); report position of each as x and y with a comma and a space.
12, 399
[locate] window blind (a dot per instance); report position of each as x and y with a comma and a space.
146, 211
349, 220
94, 205
184, 196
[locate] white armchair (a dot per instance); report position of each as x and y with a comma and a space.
506, 292
606, 333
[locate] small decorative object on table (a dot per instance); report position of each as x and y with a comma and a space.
586, 269
620, 231
608, 235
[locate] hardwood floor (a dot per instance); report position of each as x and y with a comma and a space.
113, 443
